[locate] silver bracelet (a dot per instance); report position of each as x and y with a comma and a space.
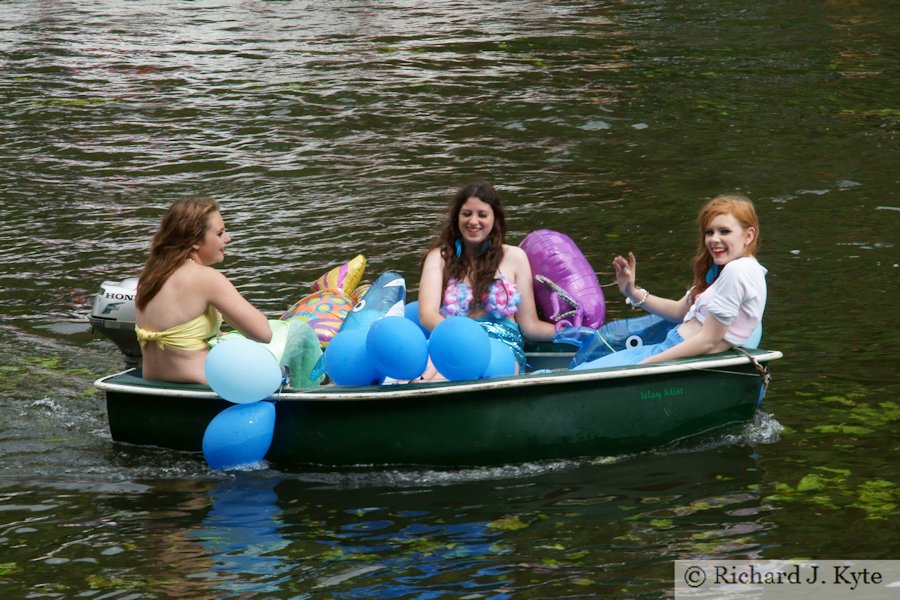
640, 302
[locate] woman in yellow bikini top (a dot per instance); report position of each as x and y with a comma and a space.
193, 335
180, 296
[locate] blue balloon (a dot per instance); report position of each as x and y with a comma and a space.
503, 361
347, 362
397, 347
460, 348
755, 338
240, 435
242, 371
412, 313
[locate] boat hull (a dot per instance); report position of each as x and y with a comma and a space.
540, 416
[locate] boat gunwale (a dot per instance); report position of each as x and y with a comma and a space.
428, 389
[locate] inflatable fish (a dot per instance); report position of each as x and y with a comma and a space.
360, 291
324, 310
386, 298
623, 335
330, 303
566, 289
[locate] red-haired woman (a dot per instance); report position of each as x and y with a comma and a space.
726, 302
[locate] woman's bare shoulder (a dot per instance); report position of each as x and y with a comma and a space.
433, 256
201, 280
514, 252
515, 256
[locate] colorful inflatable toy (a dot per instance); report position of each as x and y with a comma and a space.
344, 277
324, 310
330, 303
566, 289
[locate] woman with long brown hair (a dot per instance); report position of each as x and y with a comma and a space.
724, 306
181, 299
470, 271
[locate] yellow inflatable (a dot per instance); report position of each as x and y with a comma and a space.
330, 303
344, 277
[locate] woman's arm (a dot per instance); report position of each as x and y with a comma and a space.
235, 309
527, 318
710, 338
626, 274
431, 290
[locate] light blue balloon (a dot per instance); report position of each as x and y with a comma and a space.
397, 347
755, 338
242, 371
347, 362
460, 348
240, 435
503, 361
412, 313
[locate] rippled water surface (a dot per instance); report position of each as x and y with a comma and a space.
332, 129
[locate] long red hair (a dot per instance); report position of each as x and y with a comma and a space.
183, 225
741, 208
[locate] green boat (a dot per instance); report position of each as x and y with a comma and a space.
553, 413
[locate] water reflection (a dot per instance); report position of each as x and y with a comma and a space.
379, 534
598, 526
242, 536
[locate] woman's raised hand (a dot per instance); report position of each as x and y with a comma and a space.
626, 272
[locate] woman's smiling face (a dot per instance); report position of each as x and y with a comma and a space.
726, 240
476, 220
211, 249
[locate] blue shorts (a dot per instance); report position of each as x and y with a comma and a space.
633, 356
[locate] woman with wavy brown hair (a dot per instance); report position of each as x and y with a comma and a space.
181, 299
470, 271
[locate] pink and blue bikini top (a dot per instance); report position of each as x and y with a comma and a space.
500, 301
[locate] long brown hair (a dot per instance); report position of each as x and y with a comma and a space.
741, 208
483, 268
183, 225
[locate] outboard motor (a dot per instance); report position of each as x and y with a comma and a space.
112, 314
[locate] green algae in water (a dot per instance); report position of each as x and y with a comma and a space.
10, 568
878, 498
11, 377
513, 523
842, 429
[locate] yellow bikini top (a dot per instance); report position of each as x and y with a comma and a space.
187, 336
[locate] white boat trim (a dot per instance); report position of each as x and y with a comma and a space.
419, 390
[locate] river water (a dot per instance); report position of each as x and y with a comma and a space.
332, 129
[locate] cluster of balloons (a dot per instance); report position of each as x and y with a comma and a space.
245, 373
399, 348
